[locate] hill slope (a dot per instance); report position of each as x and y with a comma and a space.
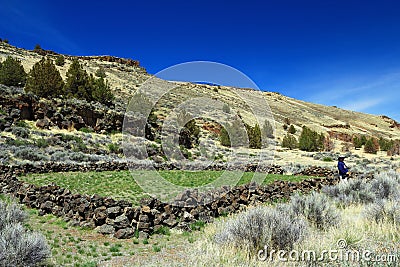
125, 76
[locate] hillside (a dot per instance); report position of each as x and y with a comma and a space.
125, 76
124, 79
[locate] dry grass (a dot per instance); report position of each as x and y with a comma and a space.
358, 232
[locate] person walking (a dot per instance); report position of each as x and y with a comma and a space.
343, 169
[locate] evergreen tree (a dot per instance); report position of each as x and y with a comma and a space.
101, 91
385, 145
60, 60
224, 137
363, 140
267, 130
100, 72
12, 72
190, 132
289, 141
292, 130
357, 142
370, 147
254, 135
44, 79
78, 84
239, 134
310, 140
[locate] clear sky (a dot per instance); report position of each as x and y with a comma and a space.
343, 53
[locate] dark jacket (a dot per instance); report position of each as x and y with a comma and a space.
342, 167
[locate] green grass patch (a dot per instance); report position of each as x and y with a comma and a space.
122, 184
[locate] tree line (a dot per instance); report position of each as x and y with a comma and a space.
45, 80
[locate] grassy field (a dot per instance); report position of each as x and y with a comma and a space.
122, 185
74, 246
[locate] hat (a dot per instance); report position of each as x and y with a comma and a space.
341, 157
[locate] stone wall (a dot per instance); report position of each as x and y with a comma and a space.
121, 219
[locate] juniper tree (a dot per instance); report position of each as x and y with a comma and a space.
44, 79
310, 140
101, 91
289, 141
370, 146
292, 130
100, 72
78, 83
12, 72
254, 135
60, 60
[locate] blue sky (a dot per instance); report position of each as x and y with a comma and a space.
343, 53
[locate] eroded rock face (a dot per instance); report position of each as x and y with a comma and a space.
121, 219
64, 113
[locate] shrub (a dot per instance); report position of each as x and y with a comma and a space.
267, 130
86, 130
383, 211
100, 72
113, 148
289, 141
44, 79
10, 213
41, 142
224, 137
18, 246
310, 140
316, 208
385, 186
38, 49
254, 135
101, 91
226, 108
22, 124
29, 154
190, 132
385, 145
352, 192
60, 60
20, 132
370, 146
17, 142
357, 142
292, 130
261, 226
12, 72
